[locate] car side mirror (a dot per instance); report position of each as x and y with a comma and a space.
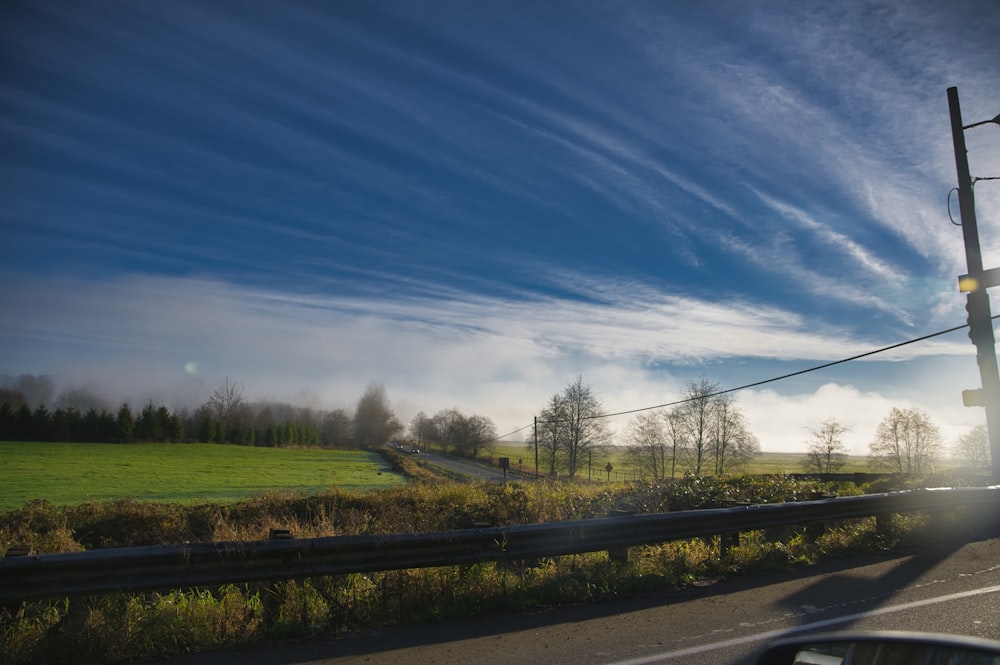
883, 648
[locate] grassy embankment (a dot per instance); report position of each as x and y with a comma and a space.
73, 473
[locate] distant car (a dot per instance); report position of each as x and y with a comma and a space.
415, 451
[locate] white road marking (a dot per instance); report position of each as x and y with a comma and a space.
785, 632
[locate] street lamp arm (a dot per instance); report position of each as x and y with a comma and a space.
995, 121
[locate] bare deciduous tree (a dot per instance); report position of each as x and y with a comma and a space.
673, 426
648, 444
906, 442
228, 406
421, 428
446, 429
552, 433
696, 414
972, 449
732, 444
585, 431
226, 401
826, 448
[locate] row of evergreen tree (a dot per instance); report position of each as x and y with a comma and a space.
157, 424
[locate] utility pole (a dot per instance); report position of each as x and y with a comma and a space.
974, 284
536, 447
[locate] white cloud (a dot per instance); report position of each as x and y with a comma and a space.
173, 340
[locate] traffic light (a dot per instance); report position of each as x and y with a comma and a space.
969, 319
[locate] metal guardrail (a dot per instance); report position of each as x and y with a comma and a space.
27, 578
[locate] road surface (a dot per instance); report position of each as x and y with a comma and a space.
950, 588
467, 468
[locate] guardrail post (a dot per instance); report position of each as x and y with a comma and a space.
815, 530
730, 539
268, 590
883, 523
619, 554
16, 550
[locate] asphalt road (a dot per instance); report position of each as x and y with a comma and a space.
949, 588
470, 469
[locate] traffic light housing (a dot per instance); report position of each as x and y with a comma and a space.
973, 397
969, 318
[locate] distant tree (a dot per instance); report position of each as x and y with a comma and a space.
972, 450
80, 399
151, 424
175, 428
826, 447
374, 421
229, 409
204, 426
35, 389
90, 426
479, 430
421, 428
66, 424
98, 427
675, 439
12, 398
336, 429
696, 414
264, 423
445, 428
732, 445
585, 430
23, 428
11, 402
162, 428
41, 424
906, 442
647, 442
6, 422
125, 423
552, 434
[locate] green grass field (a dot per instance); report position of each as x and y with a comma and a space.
71, 473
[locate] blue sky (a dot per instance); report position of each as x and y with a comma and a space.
474, 202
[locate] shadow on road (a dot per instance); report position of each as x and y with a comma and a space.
848, 593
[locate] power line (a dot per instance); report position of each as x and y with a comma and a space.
765, 381
786, 376
504, 437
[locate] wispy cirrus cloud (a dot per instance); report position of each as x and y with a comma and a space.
476, 206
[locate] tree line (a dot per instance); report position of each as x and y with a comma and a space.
226, 417
906, 441
453, 432
707, 433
